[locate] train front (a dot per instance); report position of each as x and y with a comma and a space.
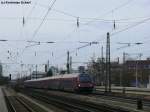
85, 83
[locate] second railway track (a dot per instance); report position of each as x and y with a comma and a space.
127, 99
72, 105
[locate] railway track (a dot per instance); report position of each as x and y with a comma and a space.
19, 104
9, 105
127, 99
16, 104
72, 105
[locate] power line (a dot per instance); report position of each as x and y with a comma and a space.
112, 33
65, 13
115, 33
116, 8
49, 9
89, 43
59, 11
122, 20
37, 29
29, 14
134, 44
132, 26
93, 19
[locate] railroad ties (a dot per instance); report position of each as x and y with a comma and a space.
16, 103
58, 101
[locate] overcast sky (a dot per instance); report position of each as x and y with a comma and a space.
96, 18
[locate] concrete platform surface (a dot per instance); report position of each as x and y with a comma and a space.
128, 90
3, 107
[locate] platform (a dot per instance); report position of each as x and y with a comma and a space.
128, 90
3, 107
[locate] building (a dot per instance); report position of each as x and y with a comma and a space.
116, 73
130, 73
138, 64
138, 70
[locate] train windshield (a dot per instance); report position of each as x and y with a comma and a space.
85, 78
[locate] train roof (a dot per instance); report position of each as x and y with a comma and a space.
55, 77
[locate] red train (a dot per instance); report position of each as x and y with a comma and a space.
68, 82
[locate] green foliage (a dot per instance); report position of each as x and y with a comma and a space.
50, 72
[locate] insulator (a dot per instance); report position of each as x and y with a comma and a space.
114, 25
23, 21
78, 22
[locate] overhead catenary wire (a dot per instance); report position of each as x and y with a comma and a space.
82, 20
31, 11
92, 19
119, 31
116, 8
65, 13
37, 29
59, 11
39, 26
132, 26
133, 44
112, 34
42, 42
89, 44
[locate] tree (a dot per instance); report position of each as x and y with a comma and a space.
50, 72
95, 70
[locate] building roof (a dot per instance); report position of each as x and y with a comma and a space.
38, 72
138, 61
55, 77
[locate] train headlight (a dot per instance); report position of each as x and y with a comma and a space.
79, 85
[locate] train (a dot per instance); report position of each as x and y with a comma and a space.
77, 82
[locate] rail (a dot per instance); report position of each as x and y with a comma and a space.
16, 104
73, 105
9, 105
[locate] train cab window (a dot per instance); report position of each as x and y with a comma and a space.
85, 78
